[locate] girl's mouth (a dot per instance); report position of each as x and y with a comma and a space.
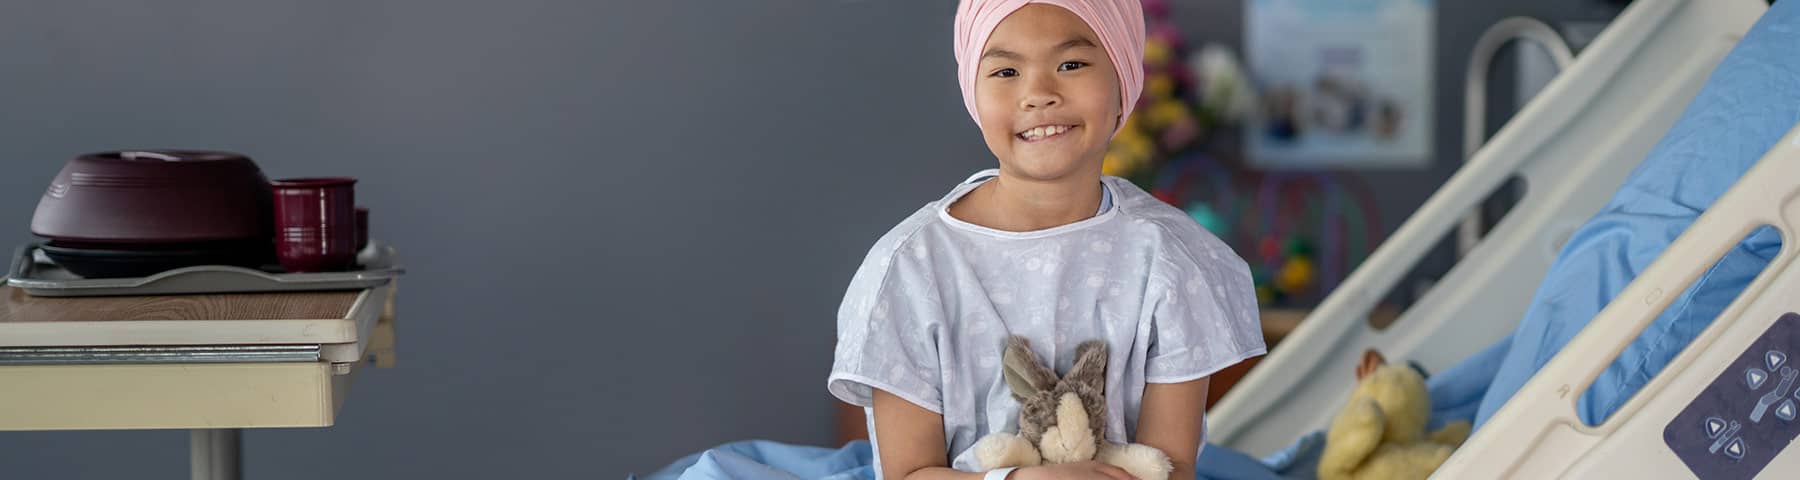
1043, 133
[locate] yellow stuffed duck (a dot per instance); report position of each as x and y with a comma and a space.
1380, 434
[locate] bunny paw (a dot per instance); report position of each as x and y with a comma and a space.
1002, 449
1141, 461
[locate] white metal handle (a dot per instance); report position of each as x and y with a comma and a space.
1475, 95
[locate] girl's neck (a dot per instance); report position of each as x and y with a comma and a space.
1014, 204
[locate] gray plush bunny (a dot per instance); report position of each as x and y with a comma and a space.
1062, 421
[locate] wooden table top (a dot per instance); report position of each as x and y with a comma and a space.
259, 318
22, 307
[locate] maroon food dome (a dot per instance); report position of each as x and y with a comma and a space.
151, 197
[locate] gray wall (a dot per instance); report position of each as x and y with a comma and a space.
626, 223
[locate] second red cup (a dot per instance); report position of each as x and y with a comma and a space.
315, 223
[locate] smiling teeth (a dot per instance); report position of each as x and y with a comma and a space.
1041, 132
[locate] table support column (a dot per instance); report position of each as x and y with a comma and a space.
216, 454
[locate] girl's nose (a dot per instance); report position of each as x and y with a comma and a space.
1040, 95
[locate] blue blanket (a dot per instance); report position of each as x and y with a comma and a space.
765, 460
1454, 394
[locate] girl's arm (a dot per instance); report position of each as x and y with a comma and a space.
1171, 419
912, 441
912, 448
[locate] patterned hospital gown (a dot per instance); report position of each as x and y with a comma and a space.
927, 312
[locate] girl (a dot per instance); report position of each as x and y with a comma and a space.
1047, 248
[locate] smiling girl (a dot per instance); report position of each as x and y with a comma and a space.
1043, 247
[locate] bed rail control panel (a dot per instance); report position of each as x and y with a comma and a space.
1737, 425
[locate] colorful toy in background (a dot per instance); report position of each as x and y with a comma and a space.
1295, 274
1315, 229
1299, 232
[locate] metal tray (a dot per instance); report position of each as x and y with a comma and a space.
37, 275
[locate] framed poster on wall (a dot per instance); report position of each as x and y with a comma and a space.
1342, 83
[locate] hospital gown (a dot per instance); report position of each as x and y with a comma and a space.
927, 313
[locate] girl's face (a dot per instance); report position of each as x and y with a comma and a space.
1047, 94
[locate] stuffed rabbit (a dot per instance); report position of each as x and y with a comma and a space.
1062, 421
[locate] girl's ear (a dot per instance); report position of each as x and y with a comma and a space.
1024, 374
1090, 365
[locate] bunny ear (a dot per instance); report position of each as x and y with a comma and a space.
1090, 365
1023, 372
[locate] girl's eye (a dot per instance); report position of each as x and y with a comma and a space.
1005, 73
1066, 66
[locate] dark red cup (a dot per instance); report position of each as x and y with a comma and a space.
315, 223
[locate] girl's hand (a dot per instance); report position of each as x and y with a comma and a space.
1088, 470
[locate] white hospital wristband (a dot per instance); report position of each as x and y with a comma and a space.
999, 473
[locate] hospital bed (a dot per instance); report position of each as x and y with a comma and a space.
1716, 403
1572, 145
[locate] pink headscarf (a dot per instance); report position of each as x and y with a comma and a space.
1119, 23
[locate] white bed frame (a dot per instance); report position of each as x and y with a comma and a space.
1573, 144
1538, 434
